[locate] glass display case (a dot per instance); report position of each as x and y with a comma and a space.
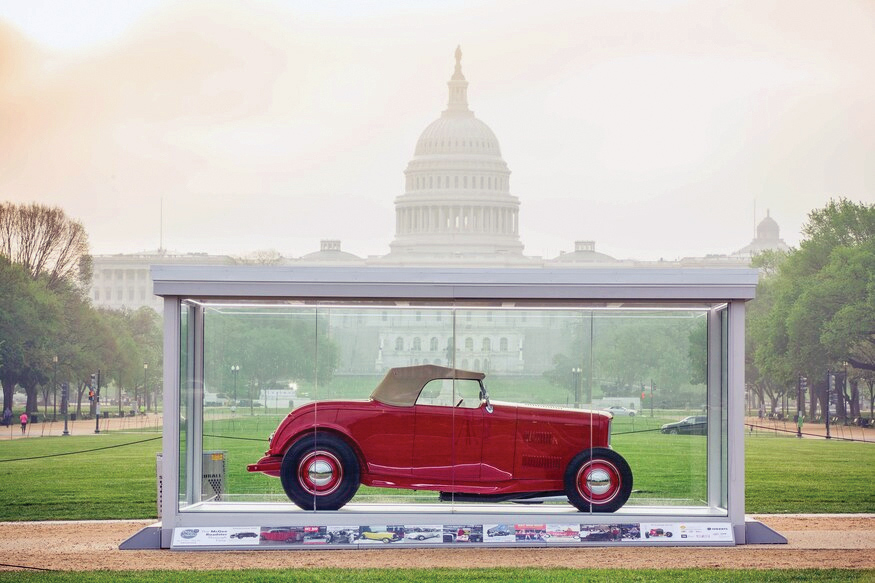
447, 406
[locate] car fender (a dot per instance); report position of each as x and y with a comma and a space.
325, 428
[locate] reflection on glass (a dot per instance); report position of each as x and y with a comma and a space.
632, 373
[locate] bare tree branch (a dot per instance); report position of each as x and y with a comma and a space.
43, 240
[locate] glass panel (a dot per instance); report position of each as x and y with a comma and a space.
650, 368
369, 394
550, 376
259, 364
724, 408
185, 393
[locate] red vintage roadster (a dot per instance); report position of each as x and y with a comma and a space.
433, 428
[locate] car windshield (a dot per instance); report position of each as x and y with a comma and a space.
464, 393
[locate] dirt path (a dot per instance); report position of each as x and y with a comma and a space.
809, 430
815, 541
149, 421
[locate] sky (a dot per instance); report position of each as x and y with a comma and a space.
658, 129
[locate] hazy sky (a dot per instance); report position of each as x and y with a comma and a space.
650, 127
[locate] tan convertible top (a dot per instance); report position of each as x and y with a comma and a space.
401, 386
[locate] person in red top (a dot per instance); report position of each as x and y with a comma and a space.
23, 420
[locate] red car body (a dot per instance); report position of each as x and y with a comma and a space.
283, 535
473, 449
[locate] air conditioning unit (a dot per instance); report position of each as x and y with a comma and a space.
212, 476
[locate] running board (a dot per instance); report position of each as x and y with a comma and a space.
522, 498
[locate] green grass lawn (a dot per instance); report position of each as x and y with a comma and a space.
454, 575
784, 474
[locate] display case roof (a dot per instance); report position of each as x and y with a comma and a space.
319, 282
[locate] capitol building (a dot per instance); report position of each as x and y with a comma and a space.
457, 209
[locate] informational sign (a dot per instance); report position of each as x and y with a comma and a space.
565, 534
688, 532
216, 536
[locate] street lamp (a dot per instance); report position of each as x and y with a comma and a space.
575, 381
235, 369
136, 397
845, 399
55, 389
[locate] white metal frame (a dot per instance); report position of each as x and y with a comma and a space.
729, 287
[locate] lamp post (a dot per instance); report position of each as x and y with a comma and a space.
136, 397
575, 381
845, 398
55, 389
235, 369
65, 400
97, 405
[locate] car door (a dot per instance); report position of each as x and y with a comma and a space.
448, 433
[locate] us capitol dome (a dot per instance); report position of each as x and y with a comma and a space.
456, 205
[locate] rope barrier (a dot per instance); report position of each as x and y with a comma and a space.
80, 451
795, 432
260, 439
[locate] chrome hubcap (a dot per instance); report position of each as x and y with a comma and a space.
320, 473
598, 482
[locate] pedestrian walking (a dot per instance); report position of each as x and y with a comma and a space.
23, 419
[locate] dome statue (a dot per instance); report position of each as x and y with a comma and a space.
768, 238
457, 204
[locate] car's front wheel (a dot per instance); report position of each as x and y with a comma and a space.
598, 480
320, 472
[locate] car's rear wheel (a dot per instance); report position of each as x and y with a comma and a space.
320, 472
598, 480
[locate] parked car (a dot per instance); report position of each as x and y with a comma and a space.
693, 425
342, 536
381, 535
244, 535
423, 533
657, 532
565, 533
618, 411
599, 535
428, 427
500, 530
285, 535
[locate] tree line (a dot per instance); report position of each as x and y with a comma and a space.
814, 316
50, 333
810, 330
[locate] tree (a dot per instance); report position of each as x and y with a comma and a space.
625, 352
44, 241
269, 347
28, 325
818, 311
